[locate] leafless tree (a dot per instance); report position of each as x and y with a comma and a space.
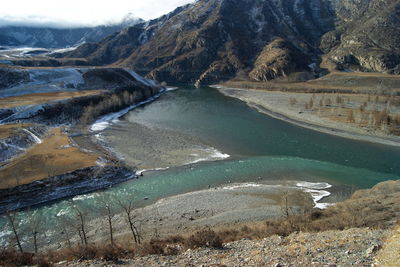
127, 207
76, 220
284, 204
14, 224
107, 209
34, 228
81, 216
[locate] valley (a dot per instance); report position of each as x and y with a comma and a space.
209, 130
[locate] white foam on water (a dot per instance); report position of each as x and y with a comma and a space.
169, 89
62, 212
213, 154
239, 186
317, 186
5, 233
83, 197
317, 192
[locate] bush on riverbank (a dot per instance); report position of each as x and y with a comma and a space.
109, 104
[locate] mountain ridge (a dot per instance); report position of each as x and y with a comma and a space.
56, 37
213, 40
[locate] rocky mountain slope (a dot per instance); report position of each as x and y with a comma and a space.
46, 37
366, 37
213, 40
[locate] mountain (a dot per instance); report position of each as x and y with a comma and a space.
212, 40
367, 36
45, 37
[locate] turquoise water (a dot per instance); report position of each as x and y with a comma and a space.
233, 128
261, 149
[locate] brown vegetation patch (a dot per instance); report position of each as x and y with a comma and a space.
41, 98
335, 82
54, 156
389, 255
8, 130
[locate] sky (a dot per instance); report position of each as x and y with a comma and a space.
75, 13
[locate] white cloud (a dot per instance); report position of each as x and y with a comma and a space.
72, 13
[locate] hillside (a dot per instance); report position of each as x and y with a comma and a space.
360, 231
213, 40
41, 110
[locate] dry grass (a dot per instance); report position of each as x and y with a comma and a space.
54, 156
335, 82
11, 258
8, 130
389, 255
41, 98
367, 114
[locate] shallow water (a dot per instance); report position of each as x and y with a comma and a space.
233, 128
261, 149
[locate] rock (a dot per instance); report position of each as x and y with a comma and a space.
11, 77
278, 58
373, 249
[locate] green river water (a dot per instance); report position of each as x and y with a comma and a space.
260, 148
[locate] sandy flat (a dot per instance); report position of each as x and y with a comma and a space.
148, 148
219, 207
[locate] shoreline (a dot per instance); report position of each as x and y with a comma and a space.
186, 149
222, 206
336, 131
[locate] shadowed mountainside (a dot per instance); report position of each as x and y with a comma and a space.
213, 40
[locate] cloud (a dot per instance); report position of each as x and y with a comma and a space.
78, 13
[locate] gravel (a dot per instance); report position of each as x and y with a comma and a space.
351, 247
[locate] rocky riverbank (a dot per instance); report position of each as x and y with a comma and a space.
62, 186
40, 161
352, 247
356, 232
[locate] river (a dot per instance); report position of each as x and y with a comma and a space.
196, 125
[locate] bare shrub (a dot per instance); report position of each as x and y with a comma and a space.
15, 258
204, 238
154, 246
111, 252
